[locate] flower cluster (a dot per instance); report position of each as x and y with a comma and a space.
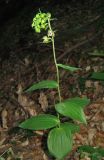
40, 21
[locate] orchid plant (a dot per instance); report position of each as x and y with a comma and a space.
60, 135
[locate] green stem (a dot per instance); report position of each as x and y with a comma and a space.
57, 70
55, 61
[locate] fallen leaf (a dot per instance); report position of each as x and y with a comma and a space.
25, 143
88, 84
99, 89
43, 101
2, 141
27, 104
99, 139
4, 115
88, 68
91, 134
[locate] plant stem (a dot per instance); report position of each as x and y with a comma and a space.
57, 70
57, 74
55, 61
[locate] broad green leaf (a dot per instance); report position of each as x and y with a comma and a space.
42, 85
70, 126
72, 69
40, 122
98, 76
59, 142
73, 108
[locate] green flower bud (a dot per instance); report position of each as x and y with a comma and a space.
46, 39
37, 29
43, 15
49, 15
43, 26
40, 21
37, 15
50, 33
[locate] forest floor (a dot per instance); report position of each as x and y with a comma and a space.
25, 60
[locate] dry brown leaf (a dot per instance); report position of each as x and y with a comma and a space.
102, 126
27, 61
24, 101
88, 84
85, 158
19, 89
41, 133
43, 101
4, 115
91, 134
88, 68
79, 137
2, 141
98, 88
96, 68
45, 157
25, 143
99, 139
28, 105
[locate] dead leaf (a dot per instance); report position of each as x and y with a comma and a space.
27, 61
79, 137
19, 89
4, 115
91, 134
28, 105
85, 158
41, 133
99, 139
98, 88
88, 68
45, 157
25, 143
43, 101
88, 84
2, 141
102, 125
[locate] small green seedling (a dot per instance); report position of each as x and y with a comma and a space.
60, 137
95, 153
